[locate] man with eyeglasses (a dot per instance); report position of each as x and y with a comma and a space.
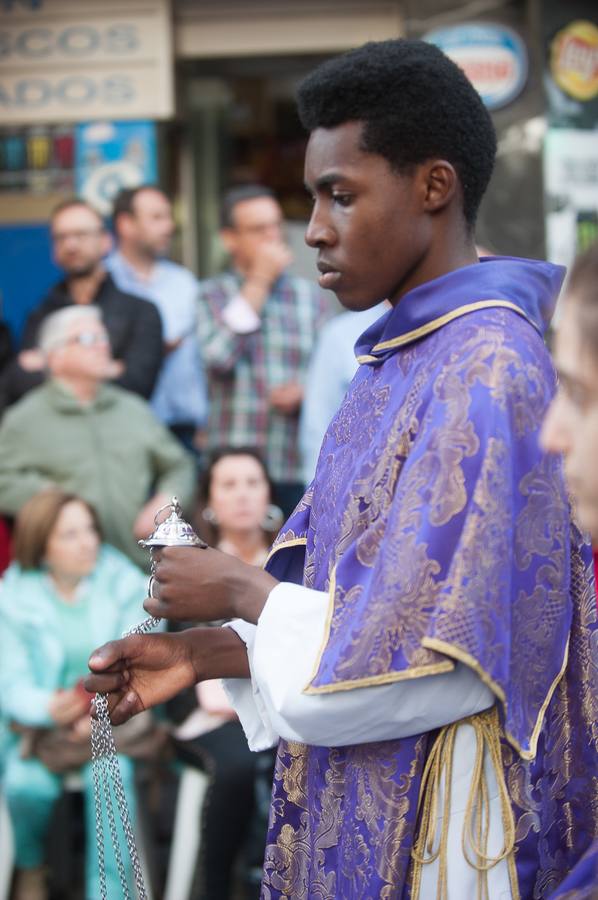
80, 242
258, 325
91, 438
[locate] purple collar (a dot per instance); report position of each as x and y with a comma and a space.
529, 287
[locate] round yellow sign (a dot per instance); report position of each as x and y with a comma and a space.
574, 59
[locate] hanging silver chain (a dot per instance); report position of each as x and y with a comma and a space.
107, 777
107, 781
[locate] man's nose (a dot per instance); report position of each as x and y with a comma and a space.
318, 232
69, 241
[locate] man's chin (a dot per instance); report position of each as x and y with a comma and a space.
81, 271
158, 251
355, 302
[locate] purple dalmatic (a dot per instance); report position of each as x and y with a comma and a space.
442, 533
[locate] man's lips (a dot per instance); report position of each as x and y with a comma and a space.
329, 275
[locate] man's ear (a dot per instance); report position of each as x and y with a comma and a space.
124, 226
441, 184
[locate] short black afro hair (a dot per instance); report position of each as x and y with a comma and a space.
415, 104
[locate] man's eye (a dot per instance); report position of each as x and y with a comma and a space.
342, 199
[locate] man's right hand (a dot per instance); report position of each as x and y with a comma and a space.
269, 262
140, 671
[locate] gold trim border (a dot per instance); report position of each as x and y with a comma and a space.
370, 680
326, 637
435, 324
512, 865
386, 678
462, 656
296, 542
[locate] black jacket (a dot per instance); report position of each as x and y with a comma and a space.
134, 327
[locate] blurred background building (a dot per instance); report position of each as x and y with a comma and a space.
198, 95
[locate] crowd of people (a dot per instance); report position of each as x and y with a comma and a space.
136, 382
415, 659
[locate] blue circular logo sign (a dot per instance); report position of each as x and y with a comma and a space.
493, 57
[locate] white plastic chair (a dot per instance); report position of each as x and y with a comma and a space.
186, 835
7, 850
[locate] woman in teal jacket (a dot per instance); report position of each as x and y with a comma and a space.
65, 594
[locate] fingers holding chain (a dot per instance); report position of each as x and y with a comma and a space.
150, 589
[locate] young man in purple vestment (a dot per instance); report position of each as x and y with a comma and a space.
422, 643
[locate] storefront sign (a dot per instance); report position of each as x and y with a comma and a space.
571, 179
493, 57
63, 62
111, 156
574, 60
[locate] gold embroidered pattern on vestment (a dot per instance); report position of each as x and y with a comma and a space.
371, 841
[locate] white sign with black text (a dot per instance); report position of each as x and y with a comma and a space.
64, 61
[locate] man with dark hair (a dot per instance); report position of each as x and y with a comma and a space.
407, 117
258, 325
80, 242
422, 643
144, 225
239, 195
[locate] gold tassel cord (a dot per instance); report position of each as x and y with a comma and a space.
488, 737
440, 759
476, 826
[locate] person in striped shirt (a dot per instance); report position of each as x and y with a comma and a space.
257, 326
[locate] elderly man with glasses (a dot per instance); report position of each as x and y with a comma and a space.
92, 438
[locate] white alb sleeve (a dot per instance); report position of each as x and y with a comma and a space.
240, 316
283, 649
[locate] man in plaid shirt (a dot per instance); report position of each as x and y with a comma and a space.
257, 327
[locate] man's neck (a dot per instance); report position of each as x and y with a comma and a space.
451, 250
84, 390
84, 288
141, 262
